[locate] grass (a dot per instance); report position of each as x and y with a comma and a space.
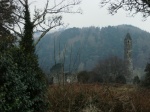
98, 98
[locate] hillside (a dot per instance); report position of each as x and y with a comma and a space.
81, 48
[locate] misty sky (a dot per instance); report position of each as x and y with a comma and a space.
93, 15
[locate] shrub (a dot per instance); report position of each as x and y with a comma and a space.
13, 91
83, 77
136, 80
121, 79
22, 83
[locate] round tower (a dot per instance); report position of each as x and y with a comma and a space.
128, 56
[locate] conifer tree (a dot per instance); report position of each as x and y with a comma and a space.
27, 40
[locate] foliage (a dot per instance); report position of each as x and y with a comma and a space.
121, 79
146, 81
6, 17
7, 7
83, 77
110, 68
89, 77
95, 98
6, 39
26, 42
136, 80
94, 77
22, 84
96, 44
69, 101
134, 6
12, 92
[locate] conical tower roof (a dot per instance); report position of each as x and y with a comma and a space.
128, 37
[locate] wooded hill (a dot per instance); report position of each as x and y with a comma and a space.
81, 48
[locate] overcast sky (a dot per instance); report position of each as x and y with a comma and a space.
93, 15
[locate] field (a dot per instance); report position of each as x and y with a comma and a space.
98, 98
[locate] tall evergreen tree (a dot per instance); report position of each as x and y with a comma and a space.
23, 85
27, 40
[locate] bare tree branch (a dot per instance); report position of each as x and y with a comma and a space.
38, 16
51, 27
12, 29
134, 6
44, 19
22, 2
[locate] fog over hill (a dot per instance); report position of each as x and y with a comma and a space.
82, 48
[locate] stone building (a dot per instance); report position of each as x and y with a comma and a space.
128, 56
56, 73
59, 76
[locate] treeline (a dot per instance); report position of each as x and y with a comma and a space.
23, 86
113, 70
110, 70
93, 44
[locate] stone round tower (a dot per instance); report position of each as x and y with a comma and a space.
128, 56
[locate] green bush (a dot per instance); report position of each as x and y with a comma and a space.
22, 83
13, 96
121, 79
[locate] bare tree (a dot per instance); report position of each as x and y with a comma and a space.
134, 6
111, 67
43, 19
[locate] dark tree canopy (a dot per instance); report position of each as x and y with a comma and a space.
134, 6
26, 42
7, 8
6, 38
